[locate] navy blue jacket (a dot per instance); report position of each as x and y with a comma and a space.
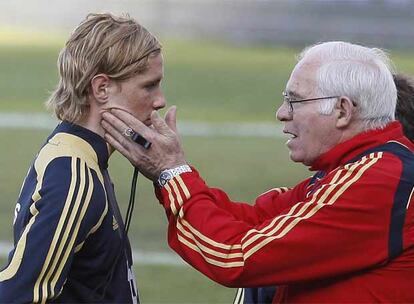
67, 231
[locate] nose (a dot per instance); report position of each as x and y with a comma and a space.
160, 102
283, 113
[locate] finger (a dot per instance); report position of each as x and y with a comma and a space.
119, 142
118, 146
125, 117
171, 118
115, 134
114, 121
159, 124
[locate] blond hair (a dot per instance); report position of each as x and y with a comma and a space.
102, 43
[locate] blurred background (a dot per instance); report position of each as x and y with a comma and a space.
226, 64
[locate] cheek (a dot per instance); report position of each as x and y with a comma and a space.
143, 102
142, 107
137, 99
319, 140
310, 140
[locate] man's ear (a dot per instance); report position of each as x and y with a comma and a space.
99, 88
344, 110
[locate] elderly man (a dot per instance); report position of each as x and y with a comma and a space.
70, 241
404, 114
344, 235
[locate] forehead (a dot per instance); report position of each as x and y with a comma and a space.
154, 70
302, 81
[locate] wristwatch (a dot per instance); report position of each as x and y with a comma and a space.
168, 174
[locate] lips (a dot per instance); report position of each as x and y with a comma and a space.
290, 134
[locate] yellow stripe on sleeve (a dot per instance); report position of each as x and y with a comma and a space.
53, 245
171, 198
337, 186
206, 249
61, 145
177, 192
208, 260
207, 239
328, 188
184, 187
11, 270
342, 189
76, 230
65, 230
270, 229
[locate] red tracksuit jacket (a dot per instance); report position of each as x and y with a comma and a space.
345, 235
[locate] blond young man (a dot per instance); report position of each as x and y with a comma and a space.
70, 244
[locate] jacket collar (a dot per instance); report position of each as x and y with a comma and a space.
97, 143
345, 151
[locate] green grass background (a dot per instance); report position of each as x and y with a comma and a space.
210, 82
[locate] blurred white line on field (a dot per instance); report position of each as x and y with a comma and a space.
140, 257
41, 121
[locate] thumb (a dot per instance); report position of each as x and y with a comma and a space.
159, 124
171, 118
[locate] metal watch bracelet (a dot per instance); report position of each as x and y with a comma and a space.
168, 174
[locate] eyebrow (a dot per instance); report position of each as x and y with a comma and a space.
154, 80
293, 94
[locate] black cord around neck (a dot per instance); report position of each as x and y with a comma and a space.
128, 215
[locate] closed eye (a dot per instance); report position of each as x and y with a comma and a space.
152, 85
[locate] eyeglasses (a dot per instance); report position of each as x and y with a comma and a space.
290, 102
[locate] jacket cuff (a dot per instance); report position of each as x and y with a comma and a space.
178, 190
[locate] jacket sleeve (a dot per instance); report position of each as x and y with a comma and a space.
321, 235
65, 206
266, 205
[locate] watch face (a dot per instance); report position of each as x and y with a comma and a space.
164, 177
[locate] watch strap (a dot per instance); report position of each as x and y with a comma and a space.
169, 174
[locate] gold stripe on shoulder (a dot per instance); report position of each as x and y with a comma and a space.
397, 142
63, 145
73, 145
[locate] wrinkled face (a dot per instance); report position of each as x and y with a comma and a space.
310, 133
140, 94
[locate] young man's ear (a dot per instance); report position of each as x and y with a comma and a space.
99, 88
344, 109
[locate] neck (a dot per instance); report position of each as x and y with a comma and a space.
354, 129
92, 122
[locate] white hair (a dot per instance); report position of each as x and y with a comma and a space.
362, 74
